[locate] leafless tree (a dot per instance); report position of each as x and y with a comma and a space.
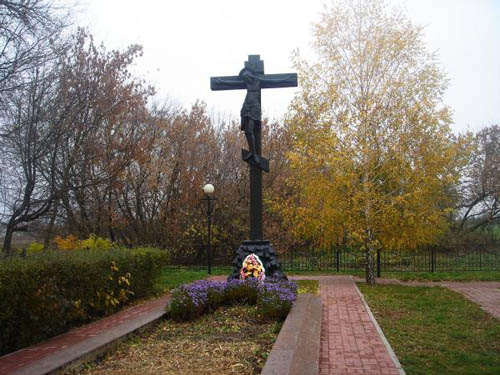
480, 204
31, 41
30, 36
27, 142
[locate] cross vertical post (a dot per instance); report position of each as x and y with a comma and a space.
257, 64
253, 79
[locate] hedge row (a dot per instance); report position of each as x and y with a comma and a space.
43, 296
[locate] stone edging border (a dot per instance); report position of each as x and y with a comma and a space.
91, 349
388, 347
296, 350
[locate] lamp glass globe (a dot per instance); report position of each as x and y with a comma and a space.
208, 188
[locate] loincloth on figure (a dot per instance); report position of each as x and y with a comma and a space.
250, 110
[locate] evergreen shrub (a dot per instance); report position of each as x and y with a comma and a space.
46, 294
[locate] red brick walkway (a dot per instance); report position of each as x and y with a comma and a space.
350, 338
53, 353
350, 342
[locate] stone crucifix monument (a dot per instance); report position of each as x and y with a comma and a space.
253, 79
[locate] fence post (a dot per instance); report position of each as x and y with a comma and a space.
337, 259
433, 260
480, 257
378, 263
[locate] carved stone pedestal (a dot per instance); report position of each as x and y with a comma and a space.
264, 250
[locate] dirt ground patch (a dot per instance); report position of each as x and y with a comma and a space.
230, 341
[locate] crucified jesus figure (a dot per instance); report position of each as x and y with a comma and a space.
251, 113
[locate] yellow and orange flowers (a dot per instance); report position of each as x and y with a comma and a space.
252, 267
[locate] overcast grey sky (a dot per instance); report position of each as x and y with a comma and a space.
187, 41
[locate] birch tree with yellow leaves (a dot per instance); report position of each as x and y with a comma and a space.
373, 157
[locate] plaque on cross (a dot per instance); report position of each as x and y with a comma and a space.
253, 79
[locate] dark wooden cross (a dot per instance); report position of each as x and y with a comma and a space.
258, 81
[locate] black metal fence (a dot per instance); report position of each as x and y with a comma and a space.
457, 257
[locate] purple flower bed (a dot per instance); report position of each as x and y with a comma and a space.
274, 298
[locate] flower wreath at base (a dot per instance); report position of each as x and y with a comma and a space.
252, 267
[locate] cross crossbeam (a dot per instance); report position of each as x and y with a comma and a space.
270, 81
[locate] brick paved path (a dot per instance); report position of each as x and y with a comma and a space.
350, 340
51, 354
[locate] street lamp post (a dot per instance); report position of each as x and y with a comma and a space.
208, 189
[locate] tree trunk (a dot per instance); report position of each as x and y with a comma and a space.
7, 242
110, 218
370, 266
9, 233
50, 228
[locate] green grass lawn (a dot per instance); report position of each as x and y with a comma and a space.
435, 330
444, 276
171, 278
416, 276
307, 286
